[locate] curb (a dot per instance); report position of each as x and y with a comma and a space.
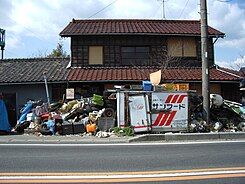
167, 137
189, 136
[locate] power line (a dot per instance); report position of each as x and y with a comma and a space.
29, 30
102, 9
224, 1
184, 8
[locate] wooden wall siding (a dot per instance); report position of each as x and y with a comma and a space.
112, 49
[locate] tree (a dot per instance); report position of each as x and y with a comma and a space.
58, 52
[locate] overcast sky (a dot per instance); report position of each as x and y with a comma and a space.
33, 26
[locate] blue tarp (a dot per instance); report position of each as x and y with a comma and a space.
27, 108
4, 122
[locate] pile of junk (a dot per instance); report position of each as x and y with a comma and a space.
97, 116
93, 116
225, 115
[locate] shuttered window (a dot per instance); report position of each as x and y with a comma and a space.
182, 47
95, 55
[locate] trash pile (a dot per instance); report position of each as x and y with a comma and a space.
84, 116
225, 116
96, 116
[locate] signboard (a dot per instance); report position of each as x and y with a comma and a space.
138, 110
171, 111
70, 94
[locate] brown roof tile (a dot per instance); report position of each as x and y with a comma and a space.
132, 26
142, 73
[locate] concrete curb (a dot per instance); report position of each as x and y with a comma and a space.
189, 136
168, 137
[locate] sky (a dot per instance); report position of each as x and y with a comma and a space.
33, 26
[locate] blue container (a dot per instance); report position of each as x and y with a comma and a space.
147, 86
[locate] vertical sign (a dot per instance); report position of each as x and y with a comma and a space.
70, 93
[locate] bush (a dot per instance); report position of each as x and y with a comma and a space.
127, 131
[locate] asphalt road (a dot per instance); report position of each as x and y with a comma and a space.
121, 158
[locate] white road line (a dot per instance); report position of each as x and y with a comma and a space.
121, 144
124, 176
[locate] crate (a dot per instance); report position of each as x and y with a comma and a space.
147, 86
105, 123
67, 128
78, 127
136, 87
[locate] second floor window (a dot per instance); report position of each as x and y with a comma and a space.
95, 55
182, 47
135, 55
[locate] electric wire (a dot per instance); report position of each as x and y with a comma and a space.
35, 35
184, 8
224, 1
102, 9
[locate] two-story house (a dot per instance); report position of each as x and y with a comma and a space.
108, 52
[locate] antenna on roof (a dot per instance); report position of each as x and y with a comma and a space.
2, 40
163, 9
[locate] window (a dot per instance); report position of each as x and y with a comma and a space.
95, 55
135, 55
182, 47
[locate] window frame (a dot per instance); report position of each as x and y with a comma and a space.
137, 55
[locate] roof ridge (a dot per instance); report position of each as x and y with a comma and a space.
139, 20
31, 59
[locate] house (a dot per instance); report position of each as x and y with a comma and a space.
23, 79
106, 52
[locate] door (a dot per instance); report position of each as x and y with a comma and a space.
139, 112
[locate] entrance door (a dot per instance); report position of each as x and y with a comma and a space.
10, 102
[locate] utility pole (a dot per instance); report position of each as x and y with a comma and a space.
205, 60
163, 9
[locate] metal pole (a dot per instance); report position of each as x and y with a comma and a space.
2, 52
163, 10
46, 87
205, 60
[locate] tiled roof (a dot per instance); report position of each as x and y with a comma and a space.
132, 26
142, 73
31, 70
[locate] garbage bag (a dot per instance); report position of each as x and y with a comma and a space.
27, 108
4, 122
71, 104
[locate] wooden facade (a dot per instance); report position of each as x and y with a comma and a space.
159, 50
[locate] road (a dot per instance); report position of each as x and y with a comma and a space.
221, 158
